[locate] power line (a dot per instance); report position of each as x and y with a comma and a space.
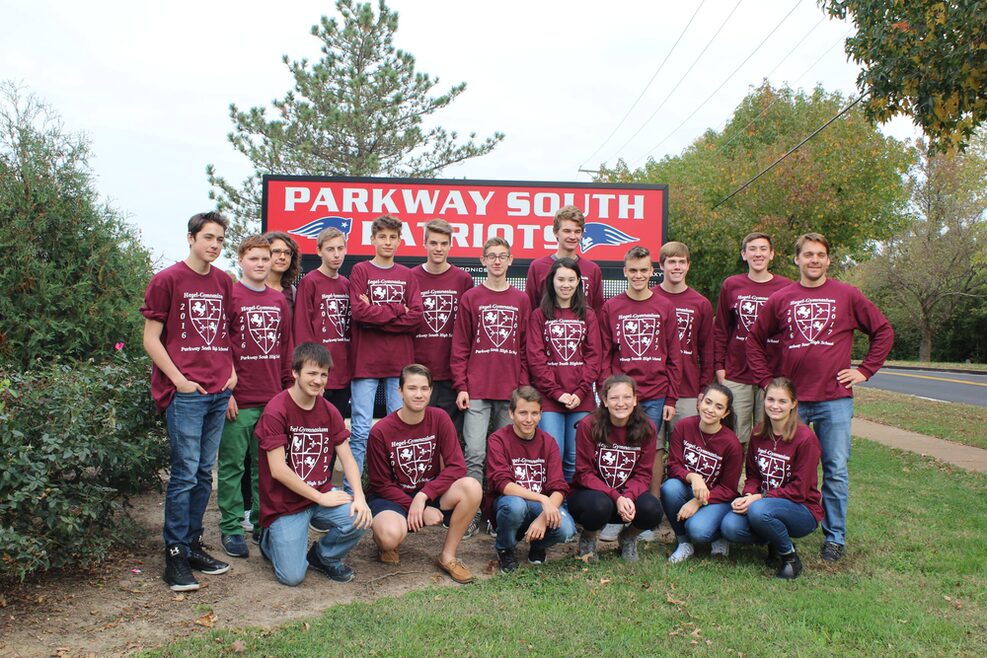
684, 76
791, 150
728, 78
647, 86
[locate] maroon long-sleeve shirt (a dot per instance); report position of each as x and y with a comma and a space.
532, 463
261, 340
322, 315
384, 327
786, 469
717, 457
694, 318
737, 308
815, 327
564, 357
616, 468
440, 302
592, 280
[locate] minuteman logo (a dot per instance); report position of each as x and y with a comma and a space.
812, 317
499, 324
703, 462
616, 463
530, 474
684, 318
264, 325
640, 333
386, 292
439, 309
565, 336
206, 315
336, 309
774, 470
415, 459
306, 447
747, 310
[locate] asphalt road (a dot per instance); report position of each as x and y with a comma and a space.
967, 387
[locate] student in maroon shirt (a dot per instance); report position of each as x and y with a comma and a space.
615, 454
740, 301
186, 334
815, 319
442, 284
286, 264
704, 462
261, 341
781, 498
418, 476
564, 357
568, 229
524, 474
301, 436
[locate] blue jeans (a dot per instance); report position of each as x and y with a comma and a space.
515, 514
562, 427
195, 425
700, 528
774, 520
285, 542
830, 419
654, 409
363, 393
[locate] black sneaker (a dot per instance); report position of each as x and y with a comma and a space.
537, 556
474, 527
831, 551
791, 566
178, 574
235, 546
199, 560
319, 525
508, 560
336, 571
771, 559
257, 535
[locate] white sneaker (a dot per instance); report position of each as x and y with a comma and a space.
719, 547
682, 553
610, 531
246, 524
648, 535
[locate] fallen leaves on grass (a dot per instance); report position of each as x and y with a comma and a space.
238, 646
673, 601
605, 581
956, 602
207, 620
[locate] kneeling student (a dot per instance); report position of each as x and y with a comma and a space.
418, 475
524, 471
302, 435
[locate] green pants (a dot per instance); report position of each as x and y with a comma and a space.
238, 440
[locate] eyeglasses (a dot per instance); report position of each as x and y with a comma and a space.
281, 252
497, 257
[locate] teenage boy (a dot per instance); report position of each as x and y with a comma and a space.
488, 353
387, 310
322, 315
740, 301
815, 318
301, 436
418, 477
186, 334
442, 284
524, 473
261, 343
568, 229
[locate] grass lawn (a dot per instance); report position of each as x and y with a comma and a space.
913, 583
963, 423
973, 367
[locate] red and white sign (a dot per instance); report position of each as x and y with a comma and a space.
617, 216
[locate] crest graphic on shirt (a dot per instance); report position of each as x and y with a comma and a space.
415, 459
336, 309
683, 319
747, 310
704, 463
264, 328
440, 307
206, 316
640, 333
774, 470
529, 474
305, 453
565, 336
387, 292
615, 463
813, 317
499, 324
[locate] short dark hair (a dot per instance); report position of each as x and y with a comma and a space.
313, 352
198, 220
440, 226
526, 393
385, 222
414, 369
252, 242
750, 237
635, 253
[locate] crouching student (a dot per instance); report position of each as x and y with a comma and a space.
781, 496
615, 454
302, 436
524, 472
704, 462
418, 475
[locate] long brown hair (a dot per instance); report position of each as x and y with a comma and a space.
290, 276
550, 298
763, 431
638, 426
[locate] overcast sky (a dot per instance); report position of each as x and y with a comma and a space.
151, 83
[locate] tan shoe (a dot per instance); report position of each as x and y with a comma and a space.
389, 556
456, 570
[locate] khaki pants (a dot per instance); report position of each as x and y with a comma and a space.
748, 405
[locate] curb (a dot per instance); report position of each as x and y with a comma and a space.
957, 371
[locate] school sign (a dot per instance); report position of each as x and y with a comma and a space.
617, 215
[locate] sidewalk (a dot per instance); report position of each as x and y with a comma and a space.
966, 457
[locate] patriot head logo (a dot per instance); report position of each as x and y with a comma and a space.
316, 226
597, 234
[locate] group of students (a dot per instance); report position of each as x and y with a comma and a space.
491, 396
